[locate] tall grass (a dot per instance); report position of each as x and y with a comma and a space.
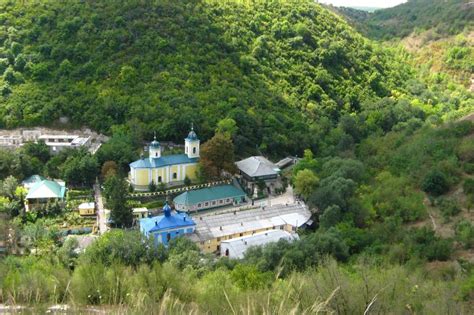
164, 289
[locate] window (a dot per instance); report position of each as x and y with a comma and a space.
214, 203
227, 252
159, 179
156, 153
194, 150
186, 150
199, 205
218, 239
168, 237
175, 175
202, 243
221, 201
227, 200
241, 234
206, 204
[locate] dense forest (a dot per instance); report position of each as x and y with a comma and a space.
386, 144
126, 68
446, 17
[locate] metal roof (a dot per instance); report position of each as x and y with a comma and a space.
218, 225
255, 166
46, 189
238, 246
192, 197
163, 222
163, 161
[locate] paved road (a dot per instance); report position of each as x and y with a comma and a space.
101, 217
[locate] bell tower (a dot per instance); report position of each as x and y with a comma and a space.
154, 149
191, 144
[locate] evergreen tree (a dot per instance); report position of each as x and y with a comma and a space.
116, 193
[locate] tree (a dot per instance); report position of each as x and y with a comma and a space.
187, 181
38, 150
227, 126
435, 183
108, 168
307, 162
80, 169
333, 191
217, 155
305, 182
116, 193
330, 217
152, 186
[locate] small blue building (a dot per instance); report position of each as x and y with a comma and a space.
167, 226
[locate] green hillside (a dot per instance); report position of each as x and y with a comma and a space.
137, 66
447, 17
385, 140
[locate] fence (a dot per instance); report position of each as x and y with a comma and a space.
179, 189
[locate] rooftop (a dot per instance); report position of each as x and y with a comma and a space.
256, 166
163, 222
46, 189
86, 205
207, 194
217, 225
163, 161
33, 179
238, 246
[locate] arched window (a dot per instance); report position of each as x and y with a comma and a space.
194, 150
227, 252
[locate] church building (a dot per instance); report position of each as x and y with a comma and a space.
168, 169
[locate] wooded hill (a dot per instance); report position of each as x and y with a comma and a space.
285, 71
446, 17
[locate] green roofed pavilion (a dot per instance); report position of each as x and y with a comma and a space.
211, 197
43, 192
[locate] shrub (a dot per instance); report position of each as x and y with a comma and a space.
468, 186
464, 232
449, 207
435, 183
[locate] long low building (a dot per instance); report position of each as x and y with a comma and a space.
210, 197
236, 248
213, 229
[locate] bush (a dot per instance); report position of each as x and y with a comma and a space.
435, 183
464, 232
449, 207
468, 186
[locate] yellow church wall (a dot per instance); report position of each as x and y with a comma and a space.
141, 177
174, 169
182, 170
191, 171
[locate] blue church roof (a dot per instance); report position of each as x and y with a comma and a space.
163, 161
192, 135
162, 222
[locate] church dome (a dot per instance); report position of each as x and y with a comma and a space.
155, 143
192, 135
167, 209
